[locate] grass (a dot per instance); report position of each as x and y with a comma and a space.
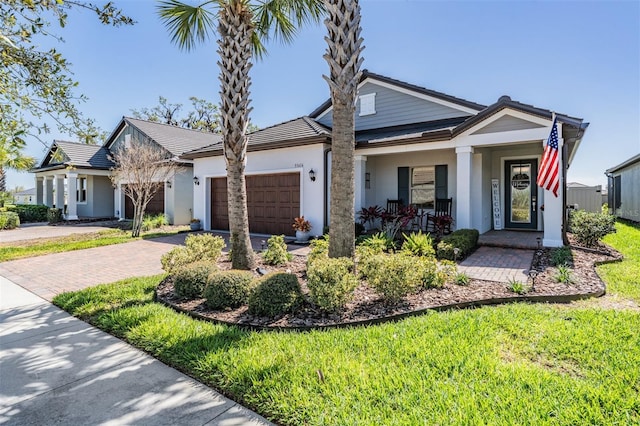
622, 278
514, 364
42, 246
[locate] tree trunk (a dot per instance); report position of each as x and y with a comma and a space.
234, 47
343, 56
3, 179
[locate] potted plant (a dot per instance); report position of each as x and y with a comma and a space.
302, 228
195, 224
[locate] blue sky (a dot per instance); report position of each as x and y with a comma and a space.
577, 58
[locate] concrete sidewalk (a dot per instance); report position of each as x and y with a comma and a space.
56, 369
32, 231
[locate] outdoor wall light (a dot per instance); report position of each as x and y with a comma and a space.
196, 180
169, 184
312, 175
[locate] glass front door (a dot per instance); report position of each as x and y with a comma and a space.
521, 194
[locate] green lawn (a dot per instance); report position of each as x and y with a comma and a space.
513, 364
42, 246
623, 279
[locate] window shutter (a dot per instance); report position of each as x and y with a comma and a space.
403, 185
617, 183
441, 181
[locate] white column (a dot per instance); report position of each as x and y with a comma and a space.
553, 211
464, 173
47, 191
477, 212
59, 198
360, 193
72, 197
39, 191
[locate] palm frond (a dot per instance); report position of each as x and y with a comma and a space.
189, 25
283, 18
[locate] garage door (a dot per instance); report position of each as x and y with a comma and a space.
155, 206
272, 202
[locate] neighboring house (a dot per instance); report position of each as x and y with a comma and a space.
412, 144
584, 197
623, 184
87, 168
28, 196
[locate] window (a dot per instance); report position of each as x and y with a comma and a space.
423, 186
617, 191
368, 104
81, 189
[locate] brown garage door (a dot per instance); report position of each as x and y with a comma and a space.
155, 206
272, 200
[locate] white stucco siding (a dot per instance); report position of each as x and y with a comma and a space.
285, 160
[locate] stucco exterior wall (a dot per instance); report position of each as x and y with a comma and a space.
297, 159
102, 196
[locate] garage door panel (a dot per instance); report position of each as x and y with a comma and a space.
154, 207
272, 203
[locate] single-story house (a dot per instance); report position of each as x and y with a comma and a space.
28, 196
623, 184
585, 197
412, 144
87, 169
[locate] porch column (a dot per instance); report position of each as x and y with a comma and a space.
47, 191
553, 206
59, 180
72, 196
39, 191
360, 170
464, 173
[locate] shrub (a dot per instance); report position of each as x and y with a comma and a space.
465, 240
9, 220
54, 215
197, 247
379, 242
561, 256
589, 227
319, 249
461, 279
369, 261
331, 283
564, 275
152, 222
395, 276
435, 274
228, 289
418, 244
190, 280
275, 294
30, 212
276, 252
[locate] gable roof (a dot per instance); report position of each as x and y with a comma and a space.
75, 154
30, 191
404, 85
631, 161
297, 132
176, 140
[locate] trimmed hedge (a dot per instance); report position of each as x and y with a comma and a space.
465, 240
54, 215
276, 294
331, 283
589, 227
9, 220
190, 280
197, 247
30, 212
228, 289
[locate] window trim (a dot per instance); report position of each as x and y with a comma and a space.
428, 205
367, 104
79, 180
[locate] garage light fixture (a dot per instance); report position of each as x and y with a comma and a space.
196, 181
169, 184
312, 175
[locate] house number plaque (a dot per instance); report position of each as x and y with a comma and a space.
495, 204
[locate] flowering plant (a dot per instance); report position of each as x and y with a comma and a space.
195, 220
300, 224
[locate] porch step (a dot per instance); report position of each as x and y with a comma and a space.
511, 239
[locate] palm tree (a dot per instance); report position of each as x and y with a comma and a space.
11, 157
343, 56
242, 25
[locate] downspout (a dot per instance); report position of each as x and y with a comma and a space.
326, 187
565, 166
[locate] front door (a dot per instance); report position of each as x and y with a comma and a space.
521, 194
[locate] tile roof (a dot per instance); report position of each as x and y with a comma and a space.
176, 140
78, 155
298, 129
407, 131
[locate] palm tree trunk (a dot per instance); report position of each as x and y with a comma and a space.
3, 179
234, 47
343, 56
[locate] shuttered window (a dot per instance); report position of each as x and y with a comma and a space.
422, 185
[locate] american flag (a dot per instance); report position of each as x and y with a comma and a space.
549, 175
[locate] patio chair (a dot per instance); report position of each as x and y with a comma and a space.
393, 206
436, 221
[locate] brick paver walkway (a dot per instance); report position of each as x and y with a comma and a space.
498, 264
49, 275
44, 230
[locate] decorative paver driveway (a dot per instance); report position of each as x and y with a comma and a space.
52, 274
44, 230
498, 264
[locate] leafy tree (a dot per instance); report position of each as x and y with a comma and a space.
343, 56
142, 168
35, 84
242, 26
11, 156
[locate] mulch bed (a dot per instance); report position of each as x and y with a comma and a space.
367, 307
